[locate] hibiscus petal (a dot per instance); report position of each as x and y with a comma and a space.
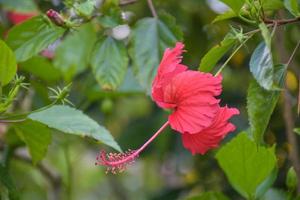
210, 137
19, 17
168, 68
171, 58
193, 93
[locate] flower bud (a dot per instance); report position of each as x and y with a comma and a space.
121, 32
55, 17
291, 179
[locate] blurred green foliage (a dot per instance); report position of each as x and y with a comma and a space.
111, 67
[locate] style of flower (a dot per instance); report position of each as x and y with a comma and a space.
196, 113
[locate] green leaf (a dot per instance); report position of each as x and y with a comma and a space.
266, 184
261, 66
297, 130
11, 138
211, 58
292, 6
36, 136
236, 5
209, 196
109, 62
130, 84
73, 54
31, 37
42, 68
8, 65
261, 103
19, 5
2, 30
275, 194
72, 121
150, 37
226, 15
245, 164
111, 14
86, 8
272, 5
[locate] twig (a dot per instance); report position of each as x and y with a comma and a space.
127, 2
293, 54
11, 121
233, 53
291, 136
0, 92
287, 64
298, 103
287, 109
151, 7
69, 172
282, 21
272, 23
28, 113
7, 151
262, 9
52, 176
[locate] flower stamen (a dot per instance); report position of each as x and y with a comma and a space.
118, 162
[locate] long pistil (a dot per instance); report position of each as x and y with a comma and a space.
118, 162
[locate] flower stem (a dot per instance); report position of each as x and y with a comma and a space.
153, 137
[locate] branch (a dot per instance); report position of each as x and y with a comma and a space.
274, 24
53, 177
11, 121
293, 54
287, 105
271, 23
291, 136
127, 2
282, 21
152, 8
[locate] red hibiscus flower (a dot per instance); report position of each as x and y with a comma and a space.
191, 95
211, 136
196, 113
18, 17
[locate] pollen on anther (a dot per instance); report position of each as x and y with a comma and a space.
116, 162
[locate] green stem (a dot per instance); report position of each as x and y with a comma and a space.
69, 172
0, 92
233, 53
24, 115
152, 8
246, 19
12, 121
293, 54
6, 155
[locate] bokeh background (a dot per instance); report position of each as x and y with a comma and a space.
165, 170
